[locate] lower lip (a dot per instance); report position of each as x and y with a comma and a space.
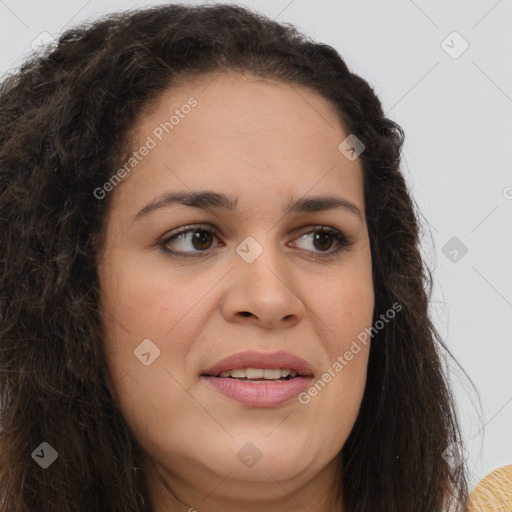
260, 393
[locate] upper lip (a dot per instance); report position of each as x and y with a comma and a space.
264, 360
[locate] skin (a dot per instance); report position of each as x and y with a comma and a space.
262, 142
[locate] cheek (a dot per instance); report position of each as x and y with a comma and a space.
345, 311
335, 397
346, 316
138, 307
345, 305
147, 304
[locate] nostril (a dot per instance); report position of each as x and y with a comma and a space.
245, 313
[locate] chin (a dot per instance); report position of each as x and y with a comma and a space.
264, 460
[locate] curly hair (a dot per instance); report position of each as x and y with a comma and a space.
64, 130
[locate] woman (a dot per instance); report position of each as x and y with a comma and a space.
293, 365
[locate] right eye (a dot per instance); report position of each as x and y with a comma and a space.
197, 236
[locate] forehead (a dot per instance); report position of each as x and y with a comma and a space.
247, 136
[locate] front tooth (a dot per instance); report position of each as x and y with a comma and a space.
271, 374
258, 373
255, 373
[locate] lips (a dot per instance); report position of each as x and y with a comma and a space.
254, 359
259, 392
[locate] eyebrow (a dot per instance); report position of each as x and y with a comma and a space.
208, 199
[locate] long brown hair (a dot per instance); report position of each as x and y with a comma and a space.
64, 129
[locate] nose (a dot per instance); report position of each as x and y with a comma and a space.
264, 289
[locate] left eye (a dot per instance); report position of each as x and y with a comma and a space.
321, 237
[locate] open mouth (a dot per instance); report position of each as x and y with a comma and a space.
258, 379
259, 374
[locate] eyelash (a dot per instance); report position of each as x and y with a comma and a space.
343, 241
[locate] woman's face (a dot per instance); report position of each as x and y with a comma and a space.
259, 278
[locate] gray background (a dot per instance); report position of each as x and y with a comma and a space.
456, 112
